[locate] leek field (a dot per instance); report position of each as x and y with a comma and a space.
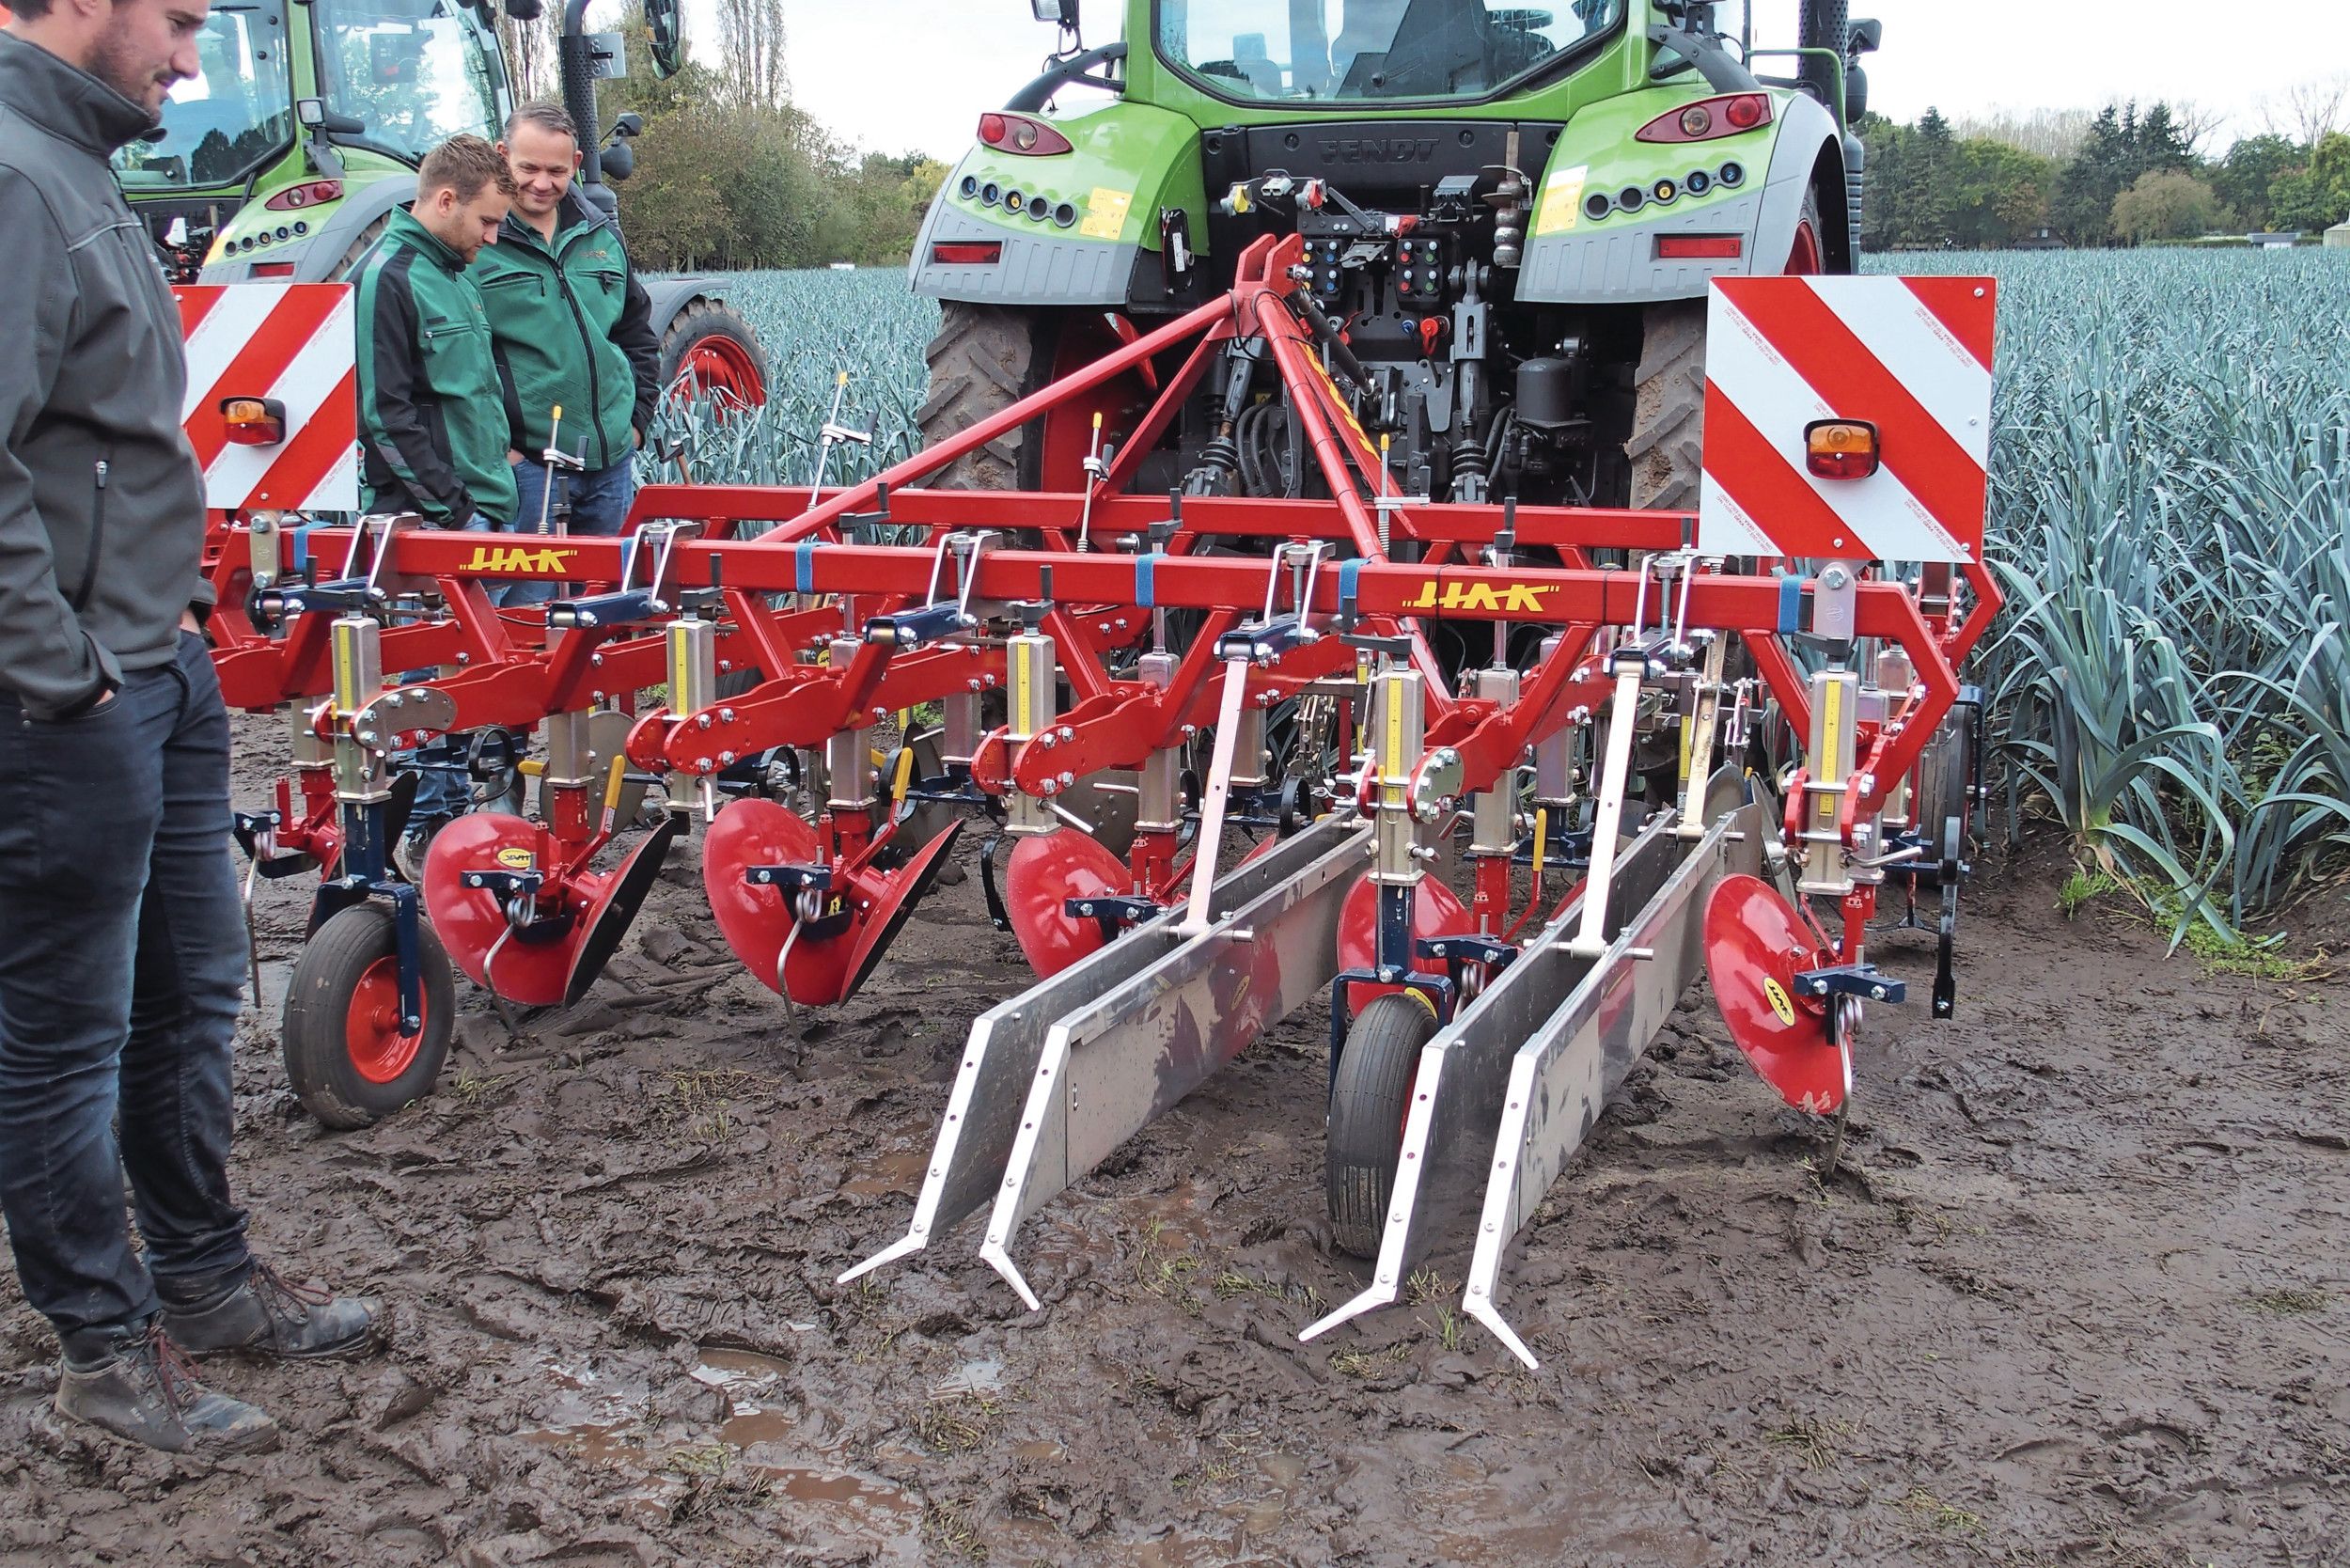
2171, 684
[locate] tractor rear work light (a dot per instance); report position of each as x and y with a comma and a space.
1030, 138
1700, 247
1709, 118
966, 252
1841, 448
252, 421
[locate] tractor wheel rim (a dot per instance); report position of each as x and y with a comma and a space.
1803, 261
378, 1052
722, 370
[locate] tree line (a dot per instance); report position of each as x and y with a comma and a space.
730, 173
2123, 175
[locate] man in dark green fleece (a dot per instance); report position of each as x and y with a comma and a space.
431, 418
432, 413
572, 328
122, 950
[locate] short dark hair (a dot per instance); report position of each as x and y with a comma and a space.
31, 9
551, 117
463, 164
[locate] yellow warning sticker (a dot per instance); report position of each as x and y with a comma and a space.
1563, 199
1105, 213
515, 858
1780, 1002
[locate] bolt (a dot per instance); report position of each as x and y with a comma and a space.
595, 660
880, 713
1051, 788
724, 664
393, 700
701, 721
464, 658
726, 716
702, 764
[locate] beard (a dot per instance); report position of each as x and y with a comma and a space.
116, 63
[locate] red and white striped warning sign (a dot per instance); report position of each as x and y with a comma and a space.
1909, 355
292, 342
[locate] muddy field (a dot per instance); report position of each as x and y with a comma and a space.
2080, 1294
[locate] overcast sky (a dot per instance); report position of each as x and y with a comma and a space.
893, 75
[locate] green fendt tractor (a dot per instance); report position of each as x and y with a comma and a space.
282, 158
1513, 211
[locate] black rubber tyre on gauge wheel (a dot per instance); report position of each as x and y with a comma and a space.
345, 1057
1371, 1095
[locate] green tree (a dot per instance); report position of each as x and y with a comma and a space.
2000, 194
2251, 166
2081, 208
2165, 204
2317, 197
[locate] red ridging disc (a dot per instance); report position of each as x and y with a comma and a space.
899, 891
1043, 871
1436, 911
471, 921
1755, 943
757, 921
615, 907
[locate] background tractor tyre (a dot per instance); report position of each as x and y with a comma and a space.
1667, 442
714, 352
985, 358
1369, 1099
344, 1054
359, 247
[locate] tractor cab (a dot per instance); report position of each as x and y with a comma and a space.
1365, 51
292, 103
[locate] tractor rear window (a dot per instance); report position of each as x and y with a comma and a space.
233, 115
1357, 50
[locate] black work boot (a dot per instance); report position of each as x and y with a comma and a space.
264, 1315
146, 1390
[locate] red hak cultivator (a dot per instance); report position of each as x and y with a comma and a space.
1674, 741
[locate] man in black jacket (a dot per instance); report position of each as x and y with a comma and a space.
121, 946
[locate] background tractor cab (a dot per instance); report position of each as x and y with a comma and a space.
281, 159
1512, 213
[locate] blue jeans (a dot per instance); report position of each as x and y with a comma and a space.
122, 960
600, 501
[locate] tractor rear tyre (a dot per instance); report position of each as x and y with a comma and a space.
345, 1057
357, 250
985, 358
709, 353
1371, 1097
1667, 443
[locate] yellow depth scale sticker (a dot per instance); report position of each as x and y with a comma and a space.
1562, 201
1105, 213
1780, 1002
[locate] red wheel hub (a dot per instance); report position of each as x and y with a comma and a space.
722, 370
378, 1052
1755, 945
1803, 259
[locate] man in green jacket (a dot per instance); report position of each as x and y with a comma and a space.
432, 419
571, 328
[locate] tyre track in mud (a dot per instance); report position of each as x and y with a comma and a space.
2078, 1296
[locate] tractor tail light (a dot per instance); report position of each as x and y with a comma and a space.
1030, 138
966, 252
1841, 448
309, 193
254, 421
273, 269
1700, 247
1709, 120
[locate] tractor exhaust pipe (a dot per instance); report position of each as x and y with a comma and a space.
576, 58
